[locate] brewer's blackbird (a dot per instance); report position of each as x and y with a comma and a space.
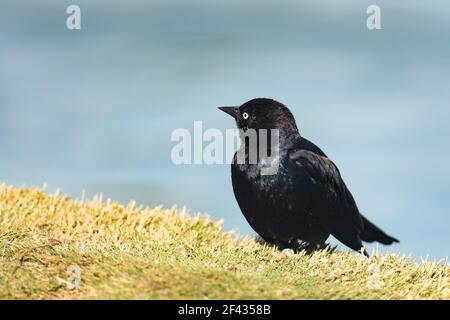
306, 200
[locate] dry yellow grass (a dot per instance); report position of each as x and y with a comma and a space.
130, 252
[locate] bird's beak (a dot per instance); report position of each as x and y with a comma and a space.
232, 111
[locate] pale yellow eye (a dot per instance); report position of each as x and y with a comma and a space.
245, 115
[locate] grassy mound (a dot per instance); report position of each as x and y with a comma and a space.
53, 247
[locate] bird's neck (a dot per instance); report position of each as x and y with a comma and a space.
288, 138
263, 143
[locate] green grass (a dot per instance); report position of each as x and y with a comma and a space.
130, 252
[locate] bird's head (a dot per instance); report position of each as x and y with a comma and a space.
263, 113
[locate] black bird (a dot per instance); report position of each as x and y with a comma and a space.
306, 200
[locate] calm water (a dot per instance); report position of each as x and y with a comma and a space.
93, 109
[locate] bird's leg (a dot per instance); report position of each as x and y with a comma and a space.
326, 246
310, 247
298, 245
365, 253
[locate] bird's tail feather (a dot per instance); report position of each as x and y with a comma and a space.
372, 233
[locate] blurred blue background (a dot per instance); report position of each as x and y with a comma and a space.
94, 109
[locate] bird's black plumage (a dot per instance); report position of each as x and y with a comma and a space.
307, 199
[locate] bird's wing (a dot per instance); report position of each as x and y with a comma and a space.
305, 144
330, 202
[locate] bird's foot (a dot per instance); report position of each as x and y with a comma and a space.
298, 245
309, 247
